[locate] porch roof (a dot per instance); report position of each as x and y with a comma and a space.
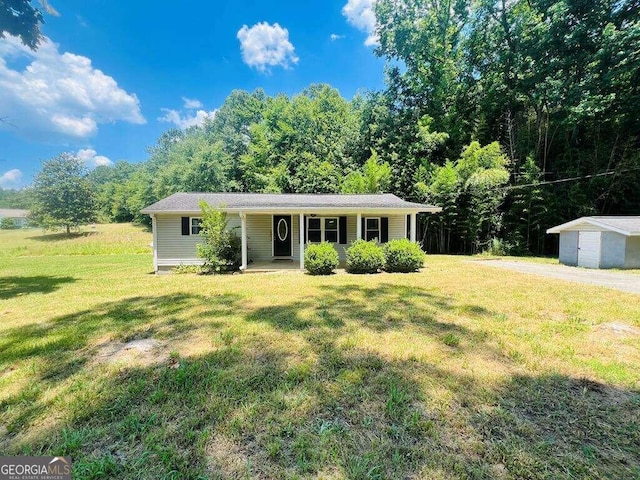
189, 202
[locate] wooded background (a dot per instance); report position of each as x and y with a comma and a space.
513, 116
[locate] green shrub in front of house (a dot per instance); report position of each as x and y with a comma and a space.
403, 255
8, 224
364, 257
221, 248
321, 259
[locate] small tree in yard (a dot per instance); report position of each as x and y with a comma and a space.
63, 197
221, 250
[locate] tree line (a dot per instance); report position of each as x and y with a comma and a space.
513, 116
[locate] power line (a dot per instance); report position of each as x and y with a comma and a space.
571, 179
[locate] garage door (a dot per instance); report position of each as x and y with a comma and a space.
589, 249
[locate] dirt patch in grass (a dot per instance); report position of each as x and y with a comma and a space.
227, 457
143, 352
619, 329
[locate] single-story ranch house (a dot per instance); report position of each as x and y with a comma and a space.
600, 242
18, 216
269, 224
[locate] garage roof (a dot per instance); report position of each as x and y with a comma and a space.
629, 226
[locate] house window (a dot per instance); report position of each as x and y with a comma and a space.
314, 230
322, 229
331, 230
196, 225
372, 228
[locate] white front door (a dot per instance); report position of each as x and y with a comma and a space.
589, 249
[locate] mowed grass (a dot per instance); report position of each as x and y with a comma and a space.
459, 371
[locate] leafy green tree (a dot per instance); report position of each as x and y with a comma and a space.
443, 189
21, 19
302, 144
108, 184
63, 195
375, 177
482, 172
16, 198
470, 192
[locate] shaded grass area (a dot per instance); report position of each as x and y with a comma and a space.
455, 372
16, 285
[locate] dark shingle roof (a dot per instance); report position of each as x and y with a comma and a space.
189, 202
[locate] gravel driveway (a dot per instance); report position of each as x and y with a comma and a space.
625, 282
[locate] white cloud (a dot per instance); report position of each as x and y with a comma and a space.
335, 36
11, 179
191, 103
265, 46
59, 94
196, 119
91, 158
361, 14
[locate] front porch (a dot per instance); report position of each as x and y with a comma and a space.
277, 241
266, 266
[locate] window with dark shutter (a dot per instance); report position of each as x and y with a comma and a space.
186, 227
384, 229
314, 230
343, 230
371, 229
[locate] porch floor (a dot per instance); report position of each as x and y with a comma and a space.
261, 266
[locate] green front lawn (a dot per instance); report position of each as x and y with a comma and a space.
459, 371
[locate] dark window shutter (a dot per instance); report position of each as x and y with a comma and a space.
362, 228
185, 226
305, 229
408, 226
342, 227
384, 229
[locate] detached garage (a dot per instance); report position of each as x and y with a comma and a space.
600, 242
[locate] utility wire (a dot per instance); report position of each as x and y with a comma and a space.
571, 179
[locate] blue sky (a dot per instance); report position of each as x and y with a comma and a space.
112, 76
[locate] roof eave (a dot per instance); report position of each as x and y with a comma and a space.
593, 222
270, 210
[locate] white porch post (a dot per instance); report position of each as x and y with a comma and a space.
243, 227
301, 230
359, 227
412, 227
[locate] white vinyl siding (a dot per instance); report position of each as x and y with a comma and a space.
398, 227
174, 249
